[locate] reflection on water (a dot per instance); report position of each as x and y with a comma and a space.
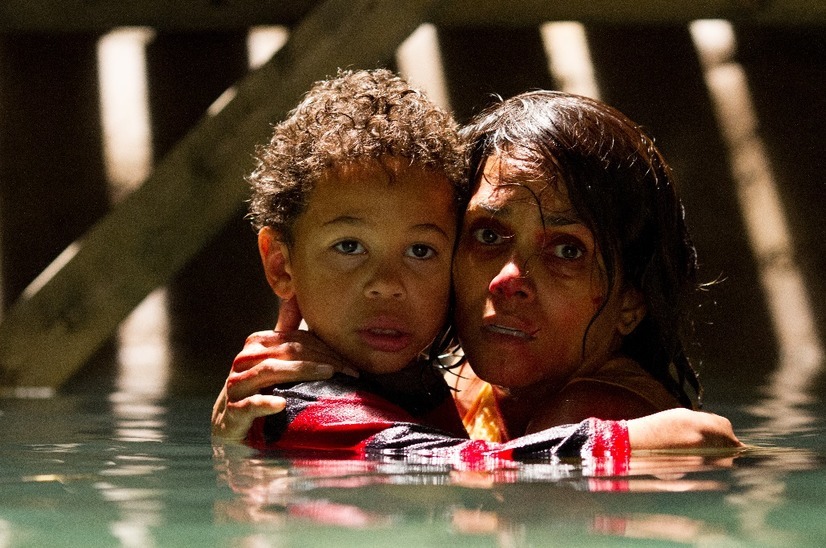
676, 498
82, 470
366, 494
679, 498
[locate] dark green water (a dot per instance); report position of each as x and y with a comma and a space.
118, 471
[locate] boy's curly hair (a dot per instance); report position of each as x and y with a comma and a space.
358, 115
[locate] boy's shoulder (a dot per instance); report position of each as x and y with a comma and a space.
354, 391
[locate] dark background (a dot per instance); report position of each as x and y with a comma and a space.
53, 188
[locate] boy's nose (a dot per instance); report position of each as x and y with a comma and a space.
511, 282
385, 284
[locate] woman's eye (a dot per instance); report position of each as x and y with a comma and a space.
349, 247
568, 251
420, 251
488, 236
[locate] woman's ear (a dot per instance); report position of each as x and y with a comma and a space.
275, 256
632, 312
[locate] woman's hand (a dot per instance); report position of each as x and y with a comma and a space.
681, 429
268, 358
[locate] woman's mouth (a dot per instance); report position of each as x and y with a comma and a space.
510, 331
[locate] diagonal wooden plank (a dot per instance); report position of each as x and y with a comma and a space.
65, 315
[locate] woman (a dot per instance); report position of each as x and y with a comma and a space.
575, 262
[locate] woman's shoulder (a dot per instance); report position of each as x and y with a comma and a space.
625, 381
621, 390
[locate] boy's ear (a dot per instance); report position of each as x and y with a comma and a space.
632, 312
275, 256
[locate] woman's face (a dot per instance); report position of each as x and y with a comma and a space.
529, 280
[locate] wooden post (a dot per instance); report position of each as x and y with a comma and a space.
181, 15
469, 55
60, 321
653, 75
52, 184
220, 296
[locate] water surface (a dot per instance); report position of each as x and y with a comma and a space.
92, 470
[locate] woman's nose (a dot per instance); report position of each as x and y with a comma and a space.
511, 281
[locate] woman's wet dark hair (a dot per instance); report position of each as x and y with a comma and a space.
621, 186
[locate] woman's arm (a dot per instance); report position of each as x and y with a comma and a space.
268, 358
271, 358
342, 418
649, 427
681, 429
591, 398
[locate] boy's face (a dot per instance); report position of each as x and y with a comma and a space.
370, 261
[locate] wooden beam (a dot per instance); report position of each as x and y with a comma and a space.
184, 15
472, 13
166, 15
67, 313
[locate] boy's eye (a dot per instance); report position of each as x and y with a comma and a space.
349, 247
420, 251
488, 236
568, 251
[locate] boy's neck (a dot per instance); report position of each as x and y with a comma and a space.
417, 387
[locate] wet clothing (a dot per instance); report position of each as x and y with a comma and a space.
478, 406
353, 418
629, 375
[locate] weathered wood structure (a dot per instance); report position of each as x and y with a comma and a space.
184, 225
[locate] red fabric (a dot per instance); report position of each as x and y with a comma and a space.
341, 424
609, 449
255, 436
342, 417
610, 439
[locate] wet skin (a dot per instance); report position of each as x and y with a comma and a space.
370, 262
528, 279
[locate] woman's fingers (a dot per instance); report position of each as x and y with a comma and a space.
269, 358
287, 357
289, 316
272, 371
232, 420
288, 351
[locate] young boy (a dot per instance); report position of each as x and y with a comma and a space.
356, 199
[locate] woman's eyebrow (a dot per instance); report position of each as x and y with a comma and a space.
493, 209
556, 219
549, 218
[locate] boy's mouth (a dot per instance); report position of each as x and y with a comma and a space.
385, 340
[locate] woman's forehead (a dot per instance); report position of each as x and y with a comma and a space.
507, 180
